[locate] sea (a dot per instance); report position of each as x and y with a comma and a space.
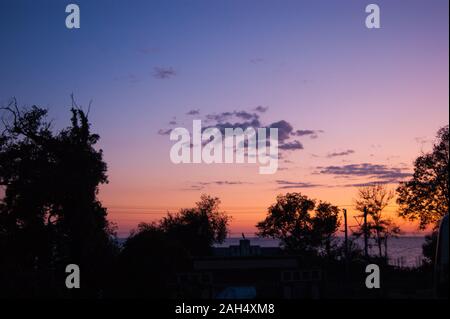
404, 251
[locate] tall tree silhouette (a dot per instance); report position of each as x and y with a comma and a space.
375, 198
50, 215
425, 197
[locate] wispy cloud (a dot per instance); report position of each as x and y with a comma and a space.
164, 131
193, 112
378, 171
343, 153
225, 116
256, 60
261, 109
311, 133
204, 185
163, 72
364, 184
290, 146
283, 184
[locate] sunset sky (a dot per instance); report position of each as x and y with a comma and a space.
362, 104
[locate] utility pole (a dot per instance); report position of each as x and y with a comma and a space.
346, 234
366, 251
347, 260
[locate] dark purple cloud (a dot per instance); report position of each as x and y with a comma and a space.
283, 184
343, 153
193, 112
163, 72
311, 133
378, 182
366, 170
291, 146
261, 109
284, 130
237, 115
164, 131
251, 119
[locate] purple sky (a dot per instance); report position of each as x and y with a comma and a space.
373, 99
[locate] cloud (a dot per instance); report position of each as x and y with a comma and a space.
311, 133
163, 72
256, 60
378, 182
243, 125
193, 188
343, 153
288, 185
245, 115
290, 146
225, 116
203, 185
164, 131
223, 183
261, 109
193, 112
251, 119
284, 130
382, 172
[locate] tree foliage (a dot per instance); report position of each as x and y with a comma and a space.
425, 196
50, 215
326, 223
148, 263
199, 227
292, 220
154, 253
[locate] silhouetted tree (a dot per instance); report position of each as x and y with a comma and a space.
326, 223
200, 227
425, 197
148, 263
375, 198
291, 220
155, 253
50, 215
